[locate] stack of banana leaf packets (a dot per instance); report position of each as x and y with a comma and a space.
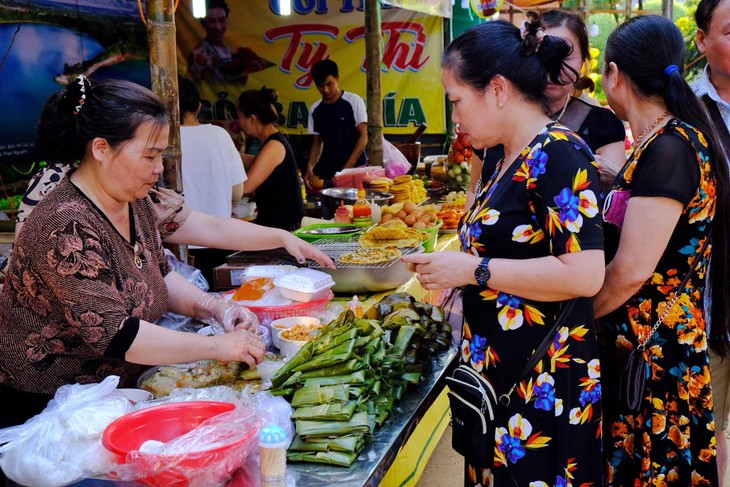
344, 383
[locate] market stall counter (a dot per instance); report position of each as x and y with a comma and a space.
399, 449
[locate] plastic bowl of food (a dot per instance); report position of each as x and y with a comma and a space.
294, 338
284, 323
164, 423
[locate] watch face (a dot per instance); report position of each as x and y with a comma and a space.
482, 274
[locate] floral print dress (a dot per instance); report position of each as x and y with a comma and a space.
544, 204
670, 441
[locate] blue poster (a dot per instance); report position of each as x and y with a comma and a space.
49, 44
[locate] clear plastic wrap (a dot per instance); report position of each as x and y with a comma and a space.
62, 444
227, 315
395, 163
172, 320
206, 456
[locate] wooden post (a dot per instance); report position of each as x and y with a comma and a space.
163, 71
373, 60
667, 8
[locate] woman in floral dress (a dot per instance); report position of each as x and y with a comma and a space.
536, 229
664, 204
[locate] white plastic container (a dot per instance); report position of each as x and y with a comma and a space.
270, 271
303, 284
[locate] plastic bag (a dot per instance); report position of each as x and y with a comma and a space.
62, 444
275, 410
394, 161
204, 457
175, 321
227, 315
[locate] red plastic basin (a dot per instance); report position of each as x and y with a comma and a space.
164, 423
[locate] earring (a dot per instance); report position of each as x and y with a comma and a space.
500, 106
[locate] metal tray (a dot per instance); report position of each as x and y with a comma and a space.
353, 278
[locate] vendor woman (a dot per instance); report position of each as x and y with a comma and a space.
273, 175
88, 277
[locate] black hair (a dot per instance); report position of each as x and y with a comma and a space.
576, 26
626, 47
211, 4
497, 48
704, 12
324, 68
259, 103
111, 109
189, 96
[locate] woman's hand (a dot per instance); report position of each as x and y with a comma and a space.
240, 345
229, 315
440, 270
302, 251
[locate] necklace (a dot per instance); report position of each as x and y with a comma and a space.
648, 130
137, 256
562, 112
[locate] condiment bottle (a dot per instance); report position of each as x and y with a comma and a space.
356, 306
361, 213
342, 215
375, 212
272, 446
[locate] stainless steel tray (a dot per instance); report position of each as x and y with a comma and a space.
353, 278
333, 230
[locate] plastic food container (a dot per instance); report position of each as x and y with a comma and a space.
284, 323
433, 233
304, 285
270, 271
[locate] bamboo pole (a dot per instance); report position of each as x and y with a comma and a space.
667, 8
373, 60
163, 71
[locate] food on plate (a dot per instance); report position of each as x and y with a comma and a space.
455, 199
450, 217
369, 256
299, 333
418, 217
392, 233
205, 373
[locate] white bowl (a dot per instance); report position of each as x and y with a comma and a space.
284, 323
289, 348
133, 395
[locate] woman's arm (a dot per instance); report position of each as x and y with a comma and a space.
550, 278
236, 192
611, 159
271, 155
648, 226
230, 233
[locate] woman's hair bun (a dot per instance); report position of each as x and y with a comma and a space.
270, 94
532, 33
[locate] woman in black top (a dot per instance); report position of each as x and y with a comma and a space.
601, 130
273, 175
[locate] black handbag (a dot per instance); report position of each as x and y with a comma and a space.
475, 404
632, 381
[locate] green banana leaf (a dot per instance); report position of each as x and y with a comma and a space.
302, 356
354, 378
341, 459
358, 423
405, 334
331, 341
344, 368
331, 412
350, 443
299, 444
313, 395
323, 361
292, 380
281, 392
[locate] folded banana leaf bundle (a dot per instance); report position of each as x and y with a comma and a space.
347, 380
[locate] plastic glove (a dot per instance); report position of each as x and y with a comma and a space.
225, 316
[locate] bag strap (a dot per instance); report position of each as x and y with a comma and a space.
541, 349
677, 293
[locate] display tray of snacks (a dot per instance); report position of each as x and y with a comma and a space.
366, 269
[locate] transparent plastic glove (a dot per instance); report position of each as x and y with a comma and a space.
225, 316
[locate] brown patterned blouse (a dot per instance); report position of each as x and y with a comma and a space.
72, 283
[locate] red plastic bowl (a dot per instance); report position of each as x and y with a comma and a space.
164, 423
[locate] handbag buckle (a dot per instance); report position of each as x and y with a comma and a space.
504, 400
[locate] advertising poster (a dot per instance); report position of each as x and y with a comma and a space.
51, 43
256, 46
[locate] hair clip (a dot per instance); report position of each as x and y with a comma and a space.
539, 34
81, 80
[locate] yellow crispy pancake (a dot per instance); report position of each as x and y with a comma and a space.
369, 256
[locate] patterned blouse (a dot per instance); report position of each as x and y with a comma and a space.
72, 283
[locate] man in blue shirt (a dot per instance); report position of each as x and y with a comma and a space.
339, 124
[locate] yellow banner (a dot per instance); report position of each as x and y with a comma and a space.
442, 8
262, 48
